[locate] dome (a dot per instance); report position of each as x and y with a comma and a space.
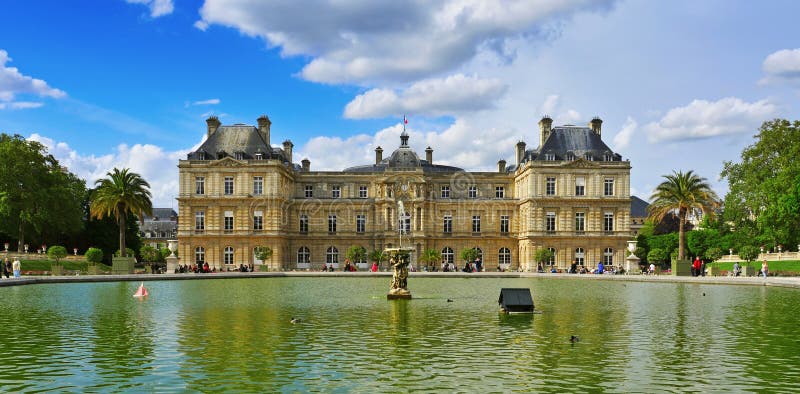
404, 157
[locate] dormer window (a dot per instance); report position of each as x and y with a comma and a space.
550, 156
608, 157
239, 155
259, 156
201, 155
570, 156
588, 157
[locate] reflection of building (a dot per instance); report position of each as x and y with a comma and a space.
238, 193
638, 214
155, 230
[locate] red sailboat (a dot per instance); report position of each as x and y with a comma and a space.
141, 291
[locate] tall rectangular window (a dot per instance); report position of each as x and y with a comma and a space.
361, 223
608, 187
550, 186
473, 192
362, 191
258, 185
445, 191
499, 192
447, 225
199, 220
228, 185
608, 221
580, 186
258, 220
550, 222
580, 221
405, 223
504, 222
309, 191
200, 185
476, 223
303, 223
331, 223
228, 222
336, 192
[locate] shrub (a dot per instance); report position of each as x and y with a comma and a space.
543, 255
94, 255
657, 255
128, 251
57, 252
713, 254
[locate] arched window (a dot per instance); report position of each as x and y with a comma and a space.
199, 255
447, 255
332, 255
303, 255
228, 255
608, 256
579, 256
553, 258
504, 256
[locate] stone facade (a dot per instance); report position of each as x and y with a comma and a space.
237, 193
155, 230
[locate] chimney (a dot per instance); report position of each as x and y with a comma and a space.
429, 155
545, 125
501, 166
306, 165
263, 128
520, 152
287, 149
378, 155
213, 123
596, 125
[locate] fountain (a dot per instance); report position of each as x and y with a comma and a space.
399, 259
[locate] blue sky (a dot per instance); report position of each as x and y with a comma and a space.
679, 85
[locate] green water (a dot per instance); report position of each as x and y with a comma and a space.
236, 335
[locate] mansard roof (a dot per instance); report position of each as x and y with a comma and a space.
638, 207
162, 214
577, 141
238, 138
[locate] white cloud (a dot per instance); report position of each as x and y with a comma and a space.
783, 65
703, 119
20, 105
13, 83
214, 101
623, 138
362, 42
433, 97
157, 7
150, 161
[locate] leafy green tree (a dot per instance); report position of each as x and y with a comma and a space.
682, 192
356, 254
165, 252
699, 241
57, 252
748, 253
764, 196
263, 253
377, 256
543, 255
120, 193
37, 196
657, 255
713, 254
150, 254
94, 255
430, 256
468, 254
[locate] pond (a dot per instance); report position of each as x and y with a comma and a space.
236, 334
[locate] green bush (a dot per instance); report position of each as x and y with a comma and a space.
94, 255
713, 254
128, 252
657, 255
57, 252
748, 253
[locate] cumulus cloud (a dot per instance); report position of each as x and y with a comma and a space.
783, 65
405, 40
623, 138
213, 101
704, 119
157, 7
434, 97
149, 161
13, 83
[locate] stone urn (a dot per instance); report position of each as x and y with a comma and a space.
172, 260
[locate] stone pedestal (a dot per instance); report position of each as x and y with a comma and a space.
56, 270
681, 267
632, 265
172, 264
398, 294
122, 265
399, 259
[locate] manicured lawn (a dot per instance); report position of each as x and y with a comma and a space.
784, 267
46, 265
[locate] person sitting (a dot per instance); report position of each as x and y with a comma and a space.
539, 268
467, 267
600, 268
553, 270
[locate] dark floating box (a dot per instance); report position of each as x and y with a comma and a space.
516, 300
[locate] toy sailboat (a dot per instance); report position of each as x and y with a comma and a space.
141, 291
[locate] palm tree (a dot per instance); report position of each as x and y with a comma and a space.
684, 193
119, 194
430, 256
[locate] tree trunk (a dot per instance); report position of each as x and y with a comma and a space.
20, 247
122, 250
681, 234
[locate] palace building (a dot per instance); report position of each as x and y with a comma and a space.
571, 195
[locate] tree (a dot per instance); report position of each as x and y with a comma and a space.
430, 256
94, 255
543, 255
657, 255
37, 196
748, 253
263, 253
57, 253
764, 196
150, 254
377, 256
120, 193
684, 193
468, 254
356, 254
713, 254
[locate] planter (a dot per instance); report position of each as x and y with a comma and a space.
122, 265
56, 270
263, 268
94, 270
749, 270
681, 268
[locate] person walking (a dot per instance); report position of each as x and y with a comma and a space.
764, 268
16, 267
696, 266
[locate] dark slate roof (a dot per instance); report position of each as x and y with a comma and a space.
638, 207
575, 140
162, 214
226, 141
384, 165
403, 158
